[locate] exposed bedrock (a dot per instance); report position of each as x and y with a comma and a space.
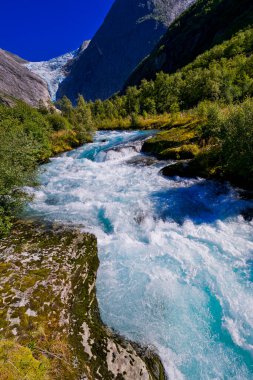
48, 303
18, 82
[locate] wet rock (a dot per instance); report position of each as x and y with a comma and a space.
205, 165
142, 161
248, 214
245, 194
180, 169
140, 217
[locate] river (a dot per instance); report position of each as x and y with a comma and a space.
176, 255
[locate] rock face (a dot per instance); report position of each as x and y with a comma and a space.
204, 25
129, 33
18, 82
48, 303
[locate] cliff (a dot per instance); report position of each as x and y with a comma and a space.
18, 82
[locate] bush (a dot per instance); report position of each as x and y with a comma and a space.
134, 120
18, 159
31, 123
230, 129
28, 137
57, 122
236, 134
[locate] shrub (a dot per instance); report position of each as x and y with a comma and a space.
230, 129
57, 122
18, 157
236, 134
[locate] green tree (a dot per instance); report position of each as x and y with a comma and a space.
83, 125
132, 100
66, 107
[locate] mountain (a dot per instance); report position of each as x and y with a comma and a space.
203, 25
16, 81
15, 57
130, 31
54, 71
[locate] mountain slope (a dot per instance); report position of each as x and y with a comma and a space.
130, 31
18, 82
204, 25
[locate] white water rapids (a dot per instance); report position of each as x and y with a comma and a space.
176, 256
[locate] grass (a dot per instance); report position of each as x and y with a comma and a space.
18, 362
163, 121
63, 141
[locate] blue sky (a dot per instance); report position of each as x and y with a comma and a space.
42, 29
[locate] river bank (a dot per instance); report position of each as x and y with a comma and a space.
49, 310
195, 154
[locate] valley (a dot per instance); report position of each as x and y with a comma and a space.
126, 192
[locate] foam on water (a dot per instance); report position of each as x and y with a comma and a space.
176, 255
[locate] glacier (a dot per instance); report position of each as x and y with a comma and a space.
53, 72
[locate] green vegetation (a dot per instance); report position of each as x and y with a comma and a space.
176, 144
80, 117
229, 131
18, 362
28, 137
204, 107
224, 74
204, 110
219, 142
204, 25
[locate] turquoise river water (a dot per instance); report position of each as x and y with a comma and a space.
176, 255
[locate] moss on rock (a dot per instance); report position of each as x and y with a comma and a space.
17, 362
49, 305
176, 143
205, 165
183, 152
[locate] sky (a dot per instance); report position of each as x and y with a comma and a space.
42, 29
